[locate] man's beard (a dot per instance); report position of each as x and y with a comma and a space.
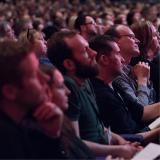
85, 71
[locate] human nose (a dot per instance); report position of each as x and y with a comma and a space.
67, 90
92, 53
45, 42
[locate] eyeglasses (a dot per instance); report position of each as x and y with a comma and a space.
128, 35
92, 22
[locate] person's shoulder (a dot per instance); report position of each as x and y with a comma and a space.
97, 83
124, 76
75, 89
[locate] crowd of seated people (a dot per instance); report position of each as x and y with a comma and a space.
79, 80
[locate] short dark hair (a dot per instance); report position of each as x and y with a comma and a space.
58, 50
102, 44
11, 55
80, 20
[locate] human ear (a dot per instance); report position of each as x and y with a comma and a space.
69, 64
104, 59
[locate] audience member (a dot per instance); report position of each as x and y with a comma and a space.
23, 93
58, 92
37, 42
133, 17
6, 31
148, 38
149, 47
86, 26
22, 25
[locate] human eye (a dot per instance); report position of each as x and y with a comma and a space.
40, 39
61, 86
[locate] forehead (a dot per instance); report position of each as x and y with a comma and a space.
76, 42
124, 30
89, 19
58, 76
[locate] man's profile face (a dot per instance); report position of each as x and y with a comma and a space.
116, 60
32, 90
83, 57
91, 26
127, 42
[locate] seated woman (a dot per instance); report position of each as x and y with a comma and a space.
73, 147
149, 47
37, 43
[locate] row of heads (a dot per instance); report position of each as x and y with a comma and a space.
59, 47
70, 52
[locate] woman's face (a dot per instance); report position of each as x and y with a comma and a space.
155, 45
136, 17
9, 32
39, 44
59, 91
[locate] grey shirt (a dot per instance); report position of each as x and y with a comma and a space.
127, 85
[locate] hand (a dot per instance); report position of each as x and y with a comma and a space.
142, 72
127, 151
137, 145
50, 119
117, 139
134, 144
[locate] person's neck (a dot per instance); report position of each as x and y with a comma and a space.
79, 81
15, 112
105, 76
85, 36
127, 58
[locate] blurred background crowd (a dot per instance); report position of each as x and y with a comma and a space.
52, 15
